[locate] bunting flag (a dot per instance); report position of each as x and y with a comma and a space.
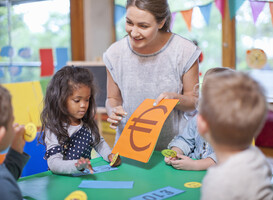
256, 8
61, 57
47, 66
173, 19
271, 11
234, 5
220, 4
120, 11
205, 10
187, 14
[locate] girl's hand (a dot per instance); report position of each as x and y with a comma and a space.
118, 161
183, 162
84, 163
116, 116
166, 95
18, 142
168, 160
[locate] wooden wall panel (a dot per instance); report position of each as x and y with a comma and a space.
77, 30
228, 40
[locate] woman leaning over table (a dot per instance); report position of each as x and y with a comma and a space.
150, 62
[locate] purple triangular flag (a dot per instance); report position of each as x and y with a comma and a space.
256, 8
172, 20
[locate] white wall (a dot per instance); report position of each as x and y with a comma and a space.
98, 23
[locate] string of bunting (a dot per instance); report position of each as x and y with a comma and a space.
186, 7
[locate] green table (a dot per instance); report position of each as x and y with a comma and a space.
147, 177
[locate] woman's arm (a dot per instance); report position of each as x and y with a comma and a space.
189, 94
114, 102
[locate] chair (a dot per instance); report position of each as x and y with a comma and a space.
36, 163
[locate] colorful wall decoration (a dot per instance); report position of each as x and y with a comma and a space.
187, 7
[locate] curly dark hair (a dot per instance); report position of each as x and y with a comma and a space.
55, 113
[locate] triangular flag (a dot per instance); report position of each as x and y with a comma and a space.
220, 4
47, 66
187, 14
234, 5
173, 19
271, 11
119, 12
256, 8
205, 10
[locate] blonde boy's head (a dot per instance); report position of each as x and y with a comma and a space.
5, 107
234, 108
215, 70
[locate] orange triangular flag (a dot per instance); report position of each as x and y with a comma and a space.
139, 136
187, 14
271, 11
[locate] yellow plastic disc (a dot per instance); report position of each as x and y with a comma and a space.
169, 153
114, 159
76, 195
193, 184
30, 133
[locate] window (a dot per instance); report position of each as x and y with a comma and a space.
27, 27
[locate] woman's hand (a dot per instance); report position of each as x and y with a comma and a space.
84, 163
166, 95
116, 116
117, 162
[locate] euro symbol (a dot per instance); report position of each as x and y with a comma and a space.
142, 129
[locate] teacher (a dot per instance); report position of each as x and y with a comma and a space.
150, 62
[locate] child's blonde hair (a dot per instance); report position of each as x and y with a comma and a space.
234, 106
216, 70
5, 106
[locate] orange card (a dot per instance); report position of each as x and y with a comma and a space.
139, 136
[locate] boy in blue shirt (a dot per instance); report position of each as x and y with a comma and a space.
190, 144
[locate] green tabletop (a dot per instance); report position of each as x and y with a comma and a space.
147, 177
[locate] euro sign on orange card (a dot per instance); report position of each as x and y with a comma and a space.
139, 136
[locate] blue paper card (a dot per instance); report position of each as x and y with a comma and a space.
99, 169
107, 184
162, 193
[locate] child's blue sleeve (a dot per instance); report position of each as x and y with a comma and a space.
186, 140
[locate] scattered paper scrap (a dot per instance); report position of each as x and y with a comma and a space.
99, 169
107, 184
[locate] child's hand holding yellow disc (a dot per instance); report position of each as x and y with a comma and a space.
30, 132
